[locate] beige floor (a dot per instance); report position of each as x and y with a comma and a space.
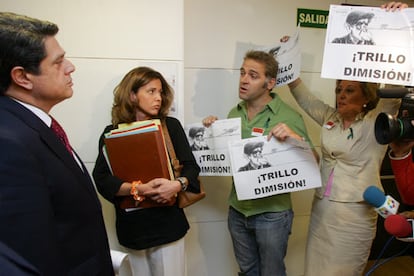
401, 266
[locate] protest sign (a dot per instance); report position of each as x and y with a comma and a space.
209, 145
369, 44
288, 55
263, 168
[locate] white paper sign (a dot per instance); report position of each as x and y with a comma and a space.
209, 145
263, 168
288, 55
369, 44
385, 54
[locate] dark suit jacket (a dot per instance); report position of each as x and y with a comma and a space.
49, 210
12, 263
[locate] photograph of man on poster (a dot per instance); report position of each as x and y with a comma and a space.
253, 152
357, 24
197, 136
377, 47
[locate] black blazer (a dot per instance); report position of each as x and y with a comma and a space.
49, 210
12, 263
149, 227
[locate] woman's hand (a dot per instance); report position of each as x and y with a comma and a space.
393, 6
162, 190
209, 120
284, 38
281, 132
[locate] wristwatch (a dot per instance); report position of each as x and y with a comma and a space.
183, 183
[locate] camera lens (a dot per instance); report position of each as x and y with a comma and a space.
387, 128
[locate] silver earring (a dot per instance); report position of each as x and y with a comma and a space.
364, 105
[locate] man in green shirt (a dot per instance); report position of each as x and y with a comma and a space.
260, 227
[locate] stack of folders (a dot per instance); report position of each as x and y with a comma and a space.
137, 152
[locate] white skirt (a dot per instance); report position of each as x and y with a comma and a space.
164, 260
339, 238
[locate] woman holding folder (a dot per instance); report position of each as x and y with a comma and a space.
154, 237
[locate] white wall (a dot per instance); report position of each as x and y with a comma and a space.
203, 42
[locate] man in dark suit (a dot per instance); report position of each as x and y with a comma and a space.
50, 214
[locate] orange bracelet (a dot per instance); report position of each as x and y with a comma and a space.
134, 191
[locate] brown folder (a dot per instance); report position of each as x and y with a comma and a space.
139, 154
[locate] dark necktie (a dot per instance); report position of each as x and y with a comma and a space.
60, 133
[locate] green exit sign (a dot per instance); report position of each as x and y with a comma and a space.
312, 18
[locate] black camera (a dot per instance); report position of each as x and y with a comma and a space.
387, 127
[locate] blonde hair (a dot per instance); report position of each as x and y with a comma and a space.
369, 90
